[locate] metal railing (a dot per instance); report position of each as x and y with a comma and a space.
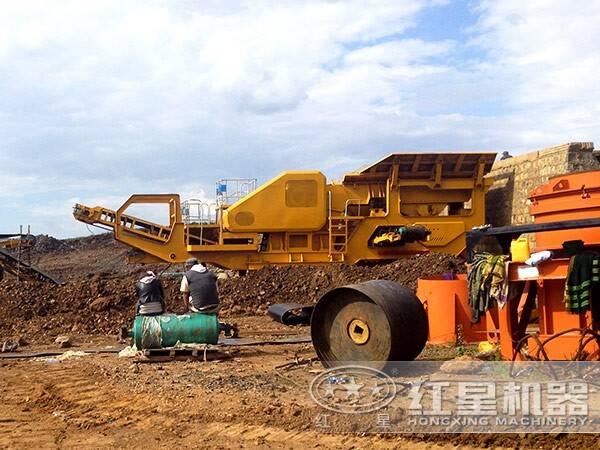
230, 190
196, 211
349, 202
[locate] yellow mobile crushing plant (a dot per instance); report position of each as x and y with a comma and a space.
401, 205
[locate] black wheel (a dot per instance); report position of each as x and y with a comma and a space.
376, 321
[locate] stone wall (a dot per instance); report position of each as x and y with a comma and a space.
515, 178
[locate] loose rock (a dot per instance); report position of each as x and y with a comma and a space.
9, 346
63, 341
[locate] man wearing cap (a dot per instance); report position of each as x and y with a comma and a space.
199, 288
151, 295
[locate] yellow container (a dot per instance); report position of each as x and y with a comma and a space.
485, 347
519, 249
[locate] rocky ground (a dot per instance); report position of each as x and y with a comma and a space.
246, 400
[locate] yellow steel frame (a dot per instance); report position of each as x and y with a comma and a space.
351, 222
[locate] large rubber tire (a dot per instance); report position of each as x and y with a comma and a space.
376, 322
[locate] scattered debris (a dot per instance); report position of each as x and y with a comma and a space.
63, 341
9, 346
40, 354
129, 352
48, 360
71, 354
45, 244
485, 346
486, 351
101, 304
338, 380
297, 362
57, 359
462, 365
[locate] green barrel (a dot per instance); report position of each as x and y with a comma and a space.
167, 329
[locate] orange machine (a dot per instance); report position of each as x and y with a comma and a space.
567, 197
558, 334
533, 324
448, 312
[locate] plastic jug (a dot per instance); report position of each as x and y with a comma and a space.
519, 249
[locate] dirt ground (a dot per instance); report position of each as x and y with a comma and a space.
105, 401
245, 400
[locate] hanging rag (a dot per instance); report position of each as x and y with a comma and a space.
583, 281
487, 282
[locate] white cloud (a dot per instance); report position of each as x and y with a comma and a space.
103, 99
395, 53
551, 46
548, 53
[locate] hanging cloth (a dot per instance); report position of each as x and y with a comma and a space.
583, 278
487, 282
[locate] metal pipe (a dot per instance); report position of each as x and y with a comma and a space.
350, 200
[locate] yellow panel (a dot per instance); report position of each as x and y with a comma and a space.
424, 194
276, 241
293, 201
316, 242
301, 193
442, 233
244, 218
298, 241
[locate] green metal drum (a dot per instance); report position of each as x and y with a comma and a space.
168, 329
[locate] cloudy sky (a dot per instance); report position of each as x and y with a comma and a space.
101, 99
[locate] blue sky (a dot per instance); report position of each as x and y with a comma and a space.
448, 20
102, 99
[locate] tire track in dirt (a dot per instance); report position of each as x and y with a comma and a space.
71, 405
61, 407
279, 438
21, 425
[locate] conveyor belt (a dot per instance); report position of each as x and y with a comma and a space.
25, 271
